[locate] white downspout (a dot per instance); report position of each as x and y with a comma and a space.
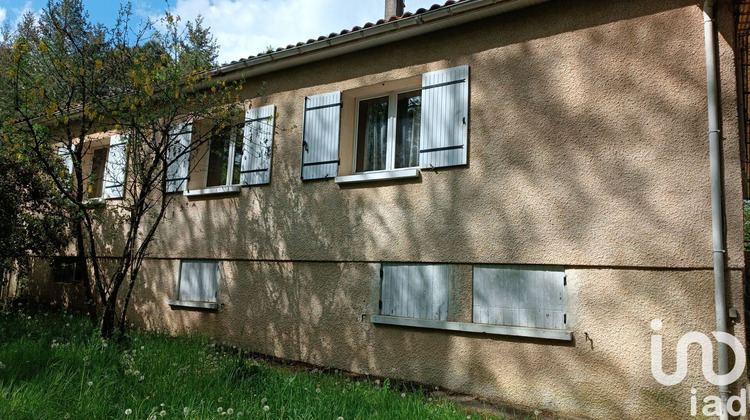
717, 213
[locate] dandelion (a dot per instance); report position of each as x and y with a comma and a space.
317, 390
141, 378
219, 410
537, 412
230, 411
239, 414
143, 348
90, 384
186, 410
85, 359
128, 412
266, 408
67, 416
104, 344
403, 394
162, 413
339, 418
221, 399
264, 400
377, 381
29, 317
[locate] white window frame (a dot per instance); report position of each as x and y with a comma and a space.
230, 159
390, 154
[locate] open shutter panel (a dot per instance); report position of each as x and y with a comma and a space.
257, 145
67, 159
445, 118
198, 280
114, 172
320, 138
177, 157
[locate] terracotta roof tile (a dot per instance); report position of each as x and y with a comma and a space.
359, 28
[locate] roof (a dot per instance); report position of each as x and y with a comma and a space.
451, 13
358, 28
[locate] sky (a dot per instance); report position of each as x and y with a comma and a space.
241, 27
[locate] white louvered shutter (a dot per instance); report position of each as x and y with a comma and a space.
198, 281
257, 145
445, 118
67, 159
114, 172
320, 138
521, 296
415, 290
177, 157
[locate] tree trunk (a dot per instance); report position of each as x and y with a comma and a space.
108, 319
81, 264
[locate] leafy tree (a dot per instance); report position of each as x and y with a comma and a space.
71, 79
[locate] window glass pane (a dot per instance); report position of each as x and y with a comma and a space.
372, 133
98, 163
218, 159
408, 119
237, 167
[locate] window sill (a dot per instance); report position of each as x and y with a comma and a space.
471, 327
94, 202
223, 189
193, 304
378, 176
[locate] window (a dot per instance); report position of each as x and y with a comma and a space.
388, 130
65, 270
232, 157
96, 177
225, 157
197, 284
520, 296
415, 291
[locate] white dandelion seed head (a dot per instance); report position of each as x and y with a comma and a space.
317, 390
339, 418
128, 412
403, 394
230, 411
266, 408
221, 399
220, 409
239, 414
141, 378
264, 400
537, 412
186, 410
162, 413
90, 383
377, 381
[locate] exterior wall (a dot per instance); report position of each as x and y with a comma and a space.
587, 150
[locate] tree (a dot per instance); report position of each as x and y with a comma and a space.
69, 80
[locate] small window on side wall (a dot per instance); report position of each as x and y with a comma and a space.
415, 291
65, 270
519, 296
197, 284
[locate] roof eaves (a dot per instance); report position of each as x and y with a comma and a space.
423, 21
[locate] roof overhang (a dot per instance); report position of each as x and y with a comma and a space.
381, 34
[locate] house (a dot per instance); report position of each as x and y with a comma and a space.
508, 198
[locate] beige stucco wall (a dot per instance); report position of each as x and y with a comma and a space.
587, 150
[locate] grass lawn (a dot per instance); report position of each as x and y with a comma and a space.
54, 366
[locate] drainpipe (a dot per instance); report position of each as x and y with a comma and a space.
717, 214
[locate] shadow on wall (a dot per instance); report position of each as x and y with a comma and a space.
587, 151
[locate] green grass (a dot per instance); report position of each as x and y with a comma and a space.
54, 366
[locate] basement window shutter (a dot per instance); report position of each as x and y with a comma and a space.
178, 158
445, 118
257, 145
521, 296
114, 172
198, 280
320, 137
415, 290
